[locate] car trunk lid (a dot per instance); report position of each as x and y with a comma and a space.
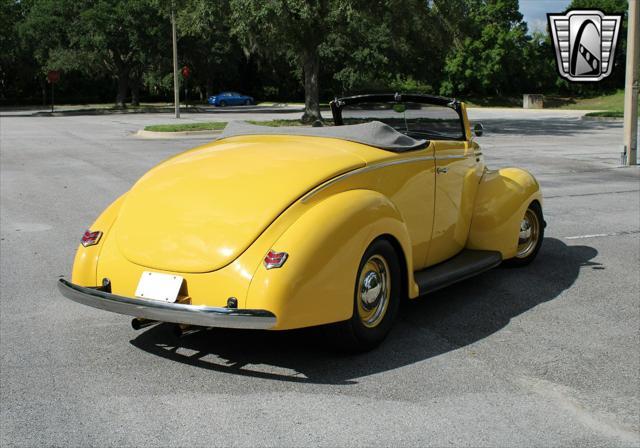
200, 210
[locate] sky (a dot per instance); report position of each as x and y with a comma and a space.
535, 12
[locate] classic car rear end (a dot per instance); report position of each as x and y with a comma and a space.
287, 228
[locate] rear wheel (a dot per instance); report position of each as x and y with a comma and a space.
247, 103
530, 236
376, 299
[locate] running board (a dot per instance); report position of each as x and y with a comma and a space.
464, 265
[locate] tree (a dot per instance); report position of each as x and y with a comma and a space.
540, 74
283, 49
488, 41
94, 37
120, 37
17, 68
378, 46
293, 28
216, 61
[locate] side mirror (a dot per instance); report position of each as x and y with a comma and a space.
478, 129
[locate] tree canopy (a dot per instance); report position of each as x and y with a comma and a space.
280, 50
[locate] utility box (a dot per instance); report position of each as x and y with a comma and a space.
532, 101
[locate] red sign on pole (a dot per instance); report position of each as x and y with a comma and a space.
53, 76
186, 72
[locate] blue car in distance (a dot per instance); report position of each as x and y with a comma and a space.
230, 99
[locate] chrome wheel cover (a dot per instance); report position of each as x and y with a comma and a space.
374, 288
529, 234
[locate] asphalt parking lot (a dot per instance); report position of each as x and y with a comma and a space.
547, 355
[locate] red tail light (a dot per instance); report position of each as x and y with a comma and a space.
275, 259
90, 238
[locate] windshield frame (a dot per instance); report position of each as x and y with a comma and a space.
394, 98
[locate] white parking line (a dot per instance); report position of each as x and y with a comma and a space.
596, 235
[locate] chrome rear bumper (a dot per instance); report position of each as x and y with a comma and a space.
168, 312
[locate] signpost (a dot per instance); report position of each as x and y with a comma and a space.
53, 77
176, 81
186, 72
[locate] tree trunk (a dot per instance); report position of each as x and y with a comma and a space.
311, 67
134, 85
209, 87
43, 85
123, 87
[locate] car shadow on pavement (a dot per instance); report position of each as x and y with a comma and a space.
429, 326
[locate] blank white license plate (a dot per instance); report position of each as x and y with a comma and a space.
157, 286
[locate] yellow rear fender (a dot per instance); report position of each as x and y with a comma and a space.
85, 264
502, 199
325, 246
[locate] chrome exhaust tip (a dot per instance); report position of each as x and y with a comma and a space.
139, 323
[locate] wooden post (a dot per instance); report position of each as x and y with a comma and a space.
631, 85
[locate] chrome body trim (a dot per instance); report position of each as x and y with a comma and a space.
451, 157
179, 313
368, 168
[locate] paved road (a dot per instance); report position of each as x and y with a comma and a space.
546, 355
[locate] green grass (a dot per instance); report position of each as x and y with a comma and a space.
611, 102
280, 123
607, 113
276, 123
181, 127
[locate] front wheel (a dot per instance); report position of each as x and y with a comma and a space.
376, 299
223, 103
530, 236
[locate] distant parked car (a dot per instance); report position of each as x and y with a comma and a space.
230, 99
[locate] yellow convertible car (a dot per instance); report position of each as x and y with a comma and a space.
282, 228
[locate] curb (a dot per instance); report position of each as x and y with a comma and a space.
161, 110
152, 134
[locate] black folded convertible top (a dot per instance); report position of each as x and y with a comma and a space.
374, 133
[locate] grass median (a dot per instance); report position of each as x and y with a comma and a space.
278, 123
184, 127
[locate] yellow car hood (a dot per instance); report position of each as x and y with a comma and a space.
200, 210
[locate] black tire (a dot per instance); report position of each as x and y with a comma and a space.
223, 104
529, 253
247, 103
354, 335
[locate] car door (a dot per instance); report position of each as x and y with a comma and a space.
450, 220
458, 173
438, 214
456, 176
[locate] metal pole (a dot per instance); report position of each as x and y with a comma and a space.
176, 81
52, 101
631, 85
